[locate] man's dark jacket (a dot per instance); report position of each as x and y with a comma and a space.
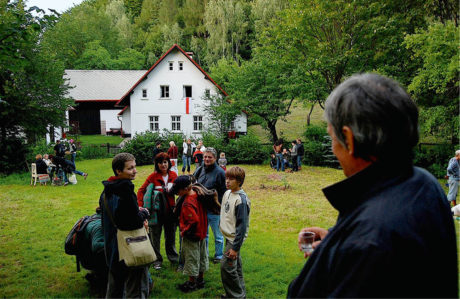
394, 237
212, 177
122, 202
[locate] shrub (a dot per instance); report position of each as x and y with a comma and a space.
142, 146
40, 148
315, 133
13, 155
316, 146
246, 150
434, 157
92, 152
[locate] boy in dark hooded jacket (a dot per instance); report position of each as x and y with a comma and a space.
120, 201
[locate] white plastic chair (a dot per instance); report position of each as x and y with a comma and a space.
34, 174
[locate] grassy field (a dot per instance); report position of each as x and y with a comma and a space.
97, 139
34, 222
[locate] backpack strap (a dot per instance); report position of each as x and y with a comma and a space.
109, 212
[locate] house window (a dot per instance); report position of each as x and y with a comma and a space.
187, 91
165, 91
232, 126
207, 93
171, 65
181, 65
198, 123
175, 123
154, 124
144, 93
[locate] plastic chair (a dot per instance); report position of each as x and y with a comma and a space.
34, 174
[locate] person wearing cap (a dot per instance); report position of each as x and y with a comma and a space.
193, 225
212, 176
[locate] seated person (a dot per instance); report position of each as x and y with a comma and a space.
273, 161
41, 165
286, 158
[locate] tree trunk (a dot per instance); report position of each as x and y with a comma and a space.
309, 114
272, 128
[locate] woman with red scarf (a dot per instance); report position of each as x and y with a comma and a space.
162, 179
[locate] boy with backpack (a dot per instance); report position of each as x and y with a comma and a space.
193, 224
234, 225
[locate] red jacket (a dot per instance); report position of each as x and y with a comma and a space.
157, 179
193, 220
172, 152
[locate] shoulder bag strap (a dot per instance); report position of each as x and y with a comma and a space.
109, 212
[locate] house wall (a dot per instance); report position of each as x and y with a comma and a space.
174, 105
110, 117
126, 117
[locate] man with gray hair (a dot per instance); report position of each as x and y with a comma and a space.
212, 176
394, 235
453, 172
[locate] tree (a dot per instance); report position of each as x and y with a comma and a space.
435, 85
220, 112
32, 89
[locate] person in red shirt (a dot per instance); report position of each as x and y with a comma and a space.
162, 178
193, 224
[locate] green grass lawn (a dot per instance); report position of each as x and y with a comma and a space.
34, 222
96, 139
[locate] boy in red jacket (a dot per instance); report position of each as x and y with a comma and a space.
193, 224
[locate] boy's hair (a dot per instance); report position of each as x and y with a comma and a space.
38, 156
236, 173
181, 182
118, 162
159, 158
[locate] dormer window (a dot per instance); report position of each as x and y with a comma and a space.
171, 65
144, 93
207, 93
181, 65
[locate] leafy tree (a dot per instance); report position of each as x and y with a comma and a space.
220, 112
117, 14
95, 57
129, 59
133, 7
32, 90
435, 85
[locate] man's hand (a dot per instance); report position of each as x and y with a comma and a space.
320, 234
146, 225
231, 254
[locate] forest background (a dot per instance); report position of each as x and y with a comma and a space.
269, 55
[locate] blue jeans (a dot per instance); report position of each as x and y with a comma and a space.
187, 161
72, 157
299, 161
214, 222
279, 160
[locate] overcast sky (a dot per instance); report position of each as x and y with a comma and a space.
59, 5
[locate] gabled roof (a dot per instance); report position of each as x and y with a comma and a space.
100, 85
122, 101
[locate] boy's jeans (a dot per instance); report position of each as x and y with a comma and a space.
187, 161
279, 160
299, 161
214, 222
231, 272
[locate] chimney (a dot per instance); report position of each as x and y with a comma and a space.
189, 54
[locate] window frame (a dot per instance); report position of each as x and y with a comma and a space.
198, 123
175, 123
181, 65
184, 88
154, 120
164, 94
171, 65
144, 93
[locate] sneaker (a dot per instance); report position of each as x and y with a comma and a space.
199, 283
85, 175
180, 268
187, 286
157, 265
66, 183
216, 260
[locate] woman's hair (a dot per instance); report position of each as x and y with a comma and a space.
171, 143
118, 162
38, 156
160, 158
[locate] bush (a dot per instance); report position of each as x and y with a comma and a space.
92, 152
246, 150
142, 146
316, 146
40, 148
315, 133
13, 155
434, 157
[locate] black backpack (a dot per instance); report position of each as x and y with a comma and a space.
75, 242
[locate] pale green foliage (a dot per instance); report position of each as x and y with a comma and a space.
95, 57
264, 12
171, 35
116, 12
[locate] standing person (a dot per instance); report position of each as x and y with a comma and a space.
157, 149
162, 178
392, 215
278, 149
294, 155
200, 146
119, 199
300, 153
211, 176
453, 172
198, 157
187, 152
59, 149
193, 227
173, 152
72, 150
68, 167
222, 161
234, 225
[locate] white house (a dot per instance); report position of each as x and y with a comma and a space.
170, 96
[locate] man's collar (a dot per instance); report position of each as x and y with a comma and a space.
349, 193
210, 167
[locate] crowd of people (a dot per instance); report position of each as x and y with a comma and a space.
56, 167
394, 235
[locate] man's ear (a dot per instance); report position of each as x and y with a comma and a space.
349, 140
118, 172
